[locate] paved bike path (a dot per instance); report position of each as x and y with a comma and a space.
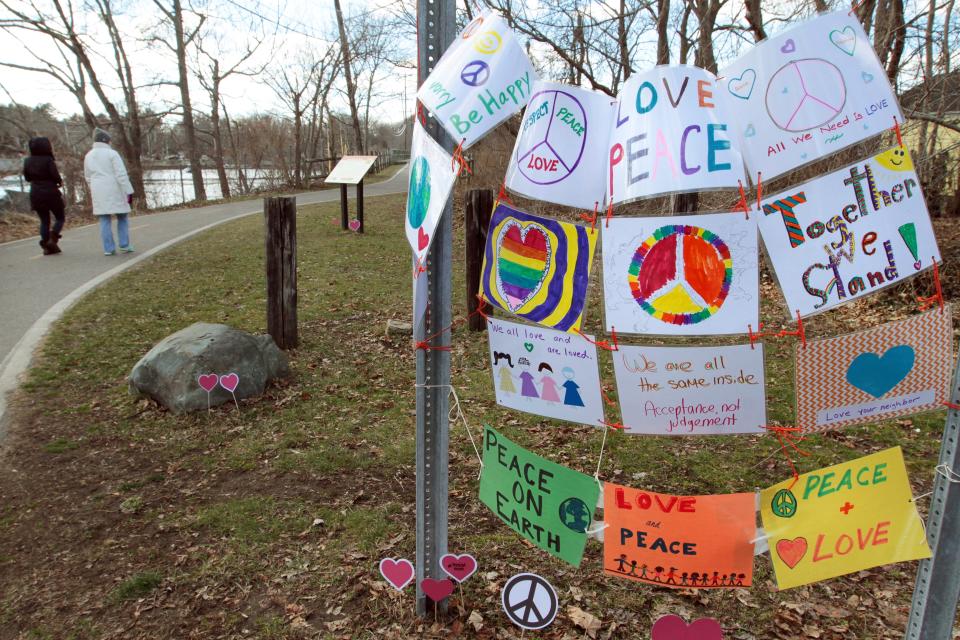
35, 290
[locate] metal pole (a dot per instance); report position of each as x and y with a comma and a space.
937, 590
360, 205
435, 31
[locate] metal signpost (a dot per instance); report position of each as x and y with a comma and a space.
938, 579
435, 31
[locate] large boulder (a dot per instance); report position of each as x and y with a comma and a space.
169, 372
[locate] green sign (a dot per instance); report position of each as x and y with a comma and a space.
546, 503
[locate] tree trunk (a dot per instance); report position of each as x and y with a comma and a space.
297, 142
755, 19
663, 37
348, 75
622, 43
189, 129
217, 134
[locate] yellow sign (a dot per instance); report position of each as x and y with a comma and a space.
842, 519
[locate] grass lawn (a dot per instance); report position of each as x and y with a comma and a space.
119, 520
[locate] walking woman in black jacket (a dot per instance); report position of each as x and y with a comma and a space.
40, 170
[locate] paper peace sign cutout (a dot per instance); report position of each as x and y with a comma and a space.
784, 503
529, 601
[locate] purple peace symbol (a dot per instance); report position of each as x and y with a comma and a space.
553, 138
475, 73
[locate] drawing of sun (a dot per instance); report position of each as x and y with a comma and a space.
681, 274
896, 159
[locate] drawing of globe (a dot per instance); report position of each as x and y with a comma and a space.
418, 197
805, 94
553, 138
681, 274
575, 515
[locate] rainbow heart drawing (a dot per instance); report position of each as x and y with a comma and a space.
522, 263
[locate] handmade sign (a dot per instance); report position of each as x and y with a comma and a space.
537, 268
671, 134
560, 154
459, 567
436, 589
672, 627
398, 572
681, 275
849, 233
893, 370
545, 372
807, 93
703, 542
483, 78
681, 391
546, 503
529, 601
841, 519
431, 180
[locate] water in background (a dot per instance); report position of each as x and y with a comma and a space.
168, 187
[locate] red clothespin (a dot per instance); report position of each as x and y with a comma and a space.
951, 405
854, 7
759, 189
503, 195
591, 219
799, 332
457, 162
613, 425
603, 344
896, 130
789, 436
606, 398
419, 267
742, 203
926, 302
422, 118
609, 214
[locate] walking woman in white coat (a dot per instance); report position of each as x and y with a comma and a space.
110, 190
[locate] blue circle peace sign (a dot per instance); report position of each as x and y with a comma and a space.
475, 73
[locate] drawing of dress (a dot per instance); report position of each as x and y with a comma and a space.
506, 381
572, 396
548, 389
528, 389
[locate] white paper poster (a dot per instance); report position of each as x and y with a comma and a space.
849, 233
681, 275
671, 134
808, 92
545, 372
483, 78
691, 391
431, 180
561, 151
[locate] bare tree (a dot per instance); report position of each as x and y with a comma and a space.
183, 37
296, 86
211, 71
345, 46
75, 71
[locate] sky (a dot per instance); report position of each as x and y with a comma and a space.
289, 30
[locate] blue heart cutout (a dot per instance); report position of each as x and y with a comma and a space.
877, 375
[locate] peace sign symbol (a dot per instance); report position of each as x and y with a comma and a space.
475, 73
529, 601
784, 503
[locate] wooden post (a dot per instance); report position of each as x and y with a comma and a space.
360, 205
280, 216
344, 213
479, 208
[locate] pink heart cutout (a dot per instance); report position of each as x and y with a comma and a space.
398, 572
354, 225
436, 590
208, 381
230, 382
458, 567
673, 627
423, 239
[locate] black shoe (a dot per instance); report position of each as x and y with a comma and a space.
52, 243
46, 248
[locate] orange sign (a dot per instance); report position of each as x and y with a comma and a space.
679, 541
